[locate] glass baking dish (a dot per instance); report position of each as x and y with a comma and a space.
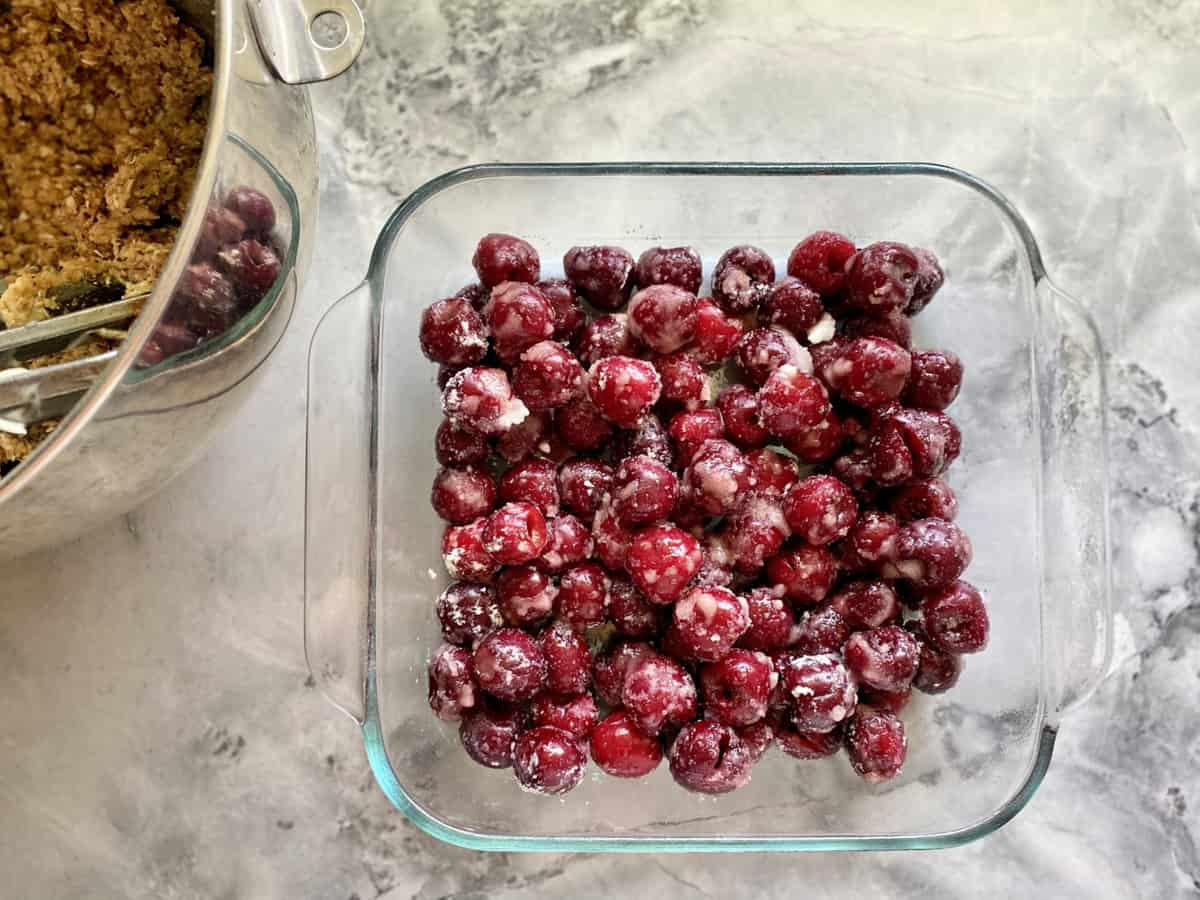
1031, 480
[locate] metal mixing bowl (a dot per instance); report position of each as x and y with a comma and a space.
138, 426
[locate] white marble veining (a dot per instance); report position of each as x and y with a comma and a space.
158, 738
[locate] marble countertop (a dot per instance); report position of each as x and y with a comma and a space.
159, 737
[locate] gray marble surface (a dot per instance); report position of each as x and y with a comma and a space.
158, 738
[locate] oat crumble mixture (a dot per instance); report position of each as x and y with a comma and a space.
103, 109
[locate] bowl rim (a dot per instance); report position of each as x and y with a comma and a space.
371, 725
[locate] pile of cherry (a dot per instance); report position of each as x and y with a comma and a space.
775, 564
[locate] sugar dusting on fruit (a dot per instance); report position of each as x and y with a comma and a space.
778, 564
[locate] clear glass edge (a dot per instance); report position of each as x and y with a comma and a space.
1048, 291
373, 738
385, 776
359, 711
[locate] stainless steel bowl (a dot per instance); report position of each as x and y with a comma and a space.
137, 426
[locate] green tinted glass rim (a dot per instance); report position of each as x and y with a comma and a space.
385, 775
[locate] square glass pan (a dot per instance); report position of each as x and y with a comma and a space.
1031, 481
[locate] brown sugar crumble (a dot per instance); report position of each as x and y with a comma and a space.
103, 108
103, 111
15, 447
